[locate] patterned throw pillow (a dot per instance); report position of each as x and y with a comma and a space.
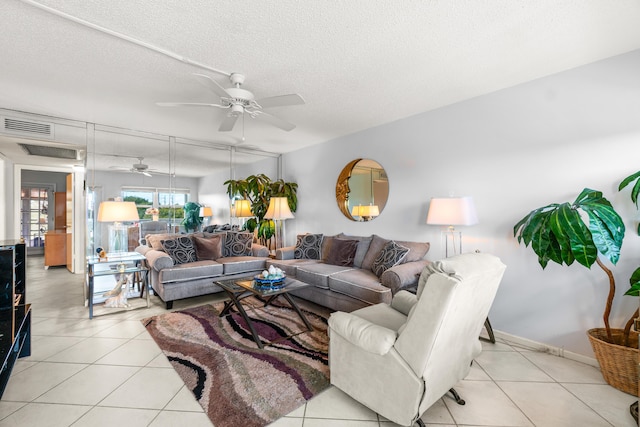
390, 255
237, 244
342, 252
208, 248
181, 249
308, 246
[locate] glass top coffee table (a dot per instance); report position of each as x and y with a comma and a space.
239, 289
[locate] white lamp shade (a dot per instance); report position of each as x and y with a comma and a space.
206, 211
112, 211
242, 209
279, 209
369, 210
452, 211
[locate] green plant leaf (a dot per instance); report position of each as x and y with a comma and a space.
636, 188
570, 224
556, 225
634, 281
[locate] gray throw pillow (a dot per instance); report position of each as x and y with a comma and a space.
377, 243
342, 252
208, 248
237, 244
308, 246
363, 248
390, 255
180, 249
417, 250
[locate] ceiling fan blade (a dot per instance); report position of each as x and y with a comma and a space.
228, 123
273, 120
119, 168
145, 173
212, 84
281, 101
189, 104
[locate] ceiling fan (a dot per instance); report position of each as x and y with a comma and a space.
241, 101
140, 168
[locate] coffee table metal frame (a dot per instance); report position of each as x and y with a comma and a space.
239, 289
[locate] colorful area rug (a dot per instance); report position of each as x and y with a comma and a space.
236, 383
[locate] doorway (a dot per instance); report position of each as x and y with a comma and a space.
35, 215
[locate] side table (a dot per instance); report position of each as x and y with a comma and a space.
119, 265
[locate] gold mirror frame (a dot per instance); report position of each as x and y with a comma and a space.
344, 190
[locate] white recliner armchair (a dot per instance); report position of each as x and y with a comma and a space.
401, 358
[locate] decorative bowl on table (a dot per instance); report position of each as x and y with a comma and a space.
269, 279
267, 284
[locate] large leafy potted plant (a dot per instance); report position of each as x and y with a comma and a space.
560, 233
259, 189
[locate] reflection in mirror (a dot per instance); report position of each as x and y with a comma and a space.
160, 174
362, 190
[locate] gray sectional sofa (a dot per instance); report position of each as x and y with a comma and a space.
347, 288
345, 272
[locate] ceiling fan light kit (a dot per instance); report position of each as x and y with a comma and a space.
240, 101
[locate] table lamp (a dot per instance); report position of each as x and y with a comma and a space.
117, 212
365, 212
206, 212
242, 209
452, 211
278, 211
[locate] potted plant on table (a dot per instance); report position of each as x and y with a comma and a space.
558, 233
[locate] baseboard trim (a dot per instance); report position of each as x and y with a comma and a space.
537, 346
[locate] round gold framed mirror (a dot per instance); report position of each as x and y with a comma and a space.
362, 190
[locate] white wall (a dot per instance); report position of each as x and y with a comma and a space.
513, 151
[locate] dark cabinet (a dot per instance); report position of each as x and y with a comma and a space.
15, 313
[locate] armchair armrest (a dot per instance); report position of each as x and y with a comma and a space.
158, 259
362, 333
403, 302
259, 250
403, 275
286, 252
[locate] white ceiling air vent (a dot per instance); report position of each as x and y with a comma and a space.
41, 130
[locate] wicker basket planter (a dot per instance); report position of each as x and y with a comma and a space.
619, 364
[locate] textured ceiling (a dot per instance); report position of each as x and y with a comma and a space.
358, 64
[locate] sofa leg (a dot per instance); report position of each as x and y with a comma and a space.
456, 396
169, 305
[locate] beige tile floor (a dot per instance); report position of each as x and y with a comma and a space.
109, 372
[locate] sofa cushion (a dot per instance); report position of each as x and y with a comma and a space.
417, 250
237, 244
208, 247
308, 246
318, 274
180, 249
363, 247
360, 284
342, 252
390, 255
377, 243
327, 241
191, 271
242, 264
290, 266
155, 240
